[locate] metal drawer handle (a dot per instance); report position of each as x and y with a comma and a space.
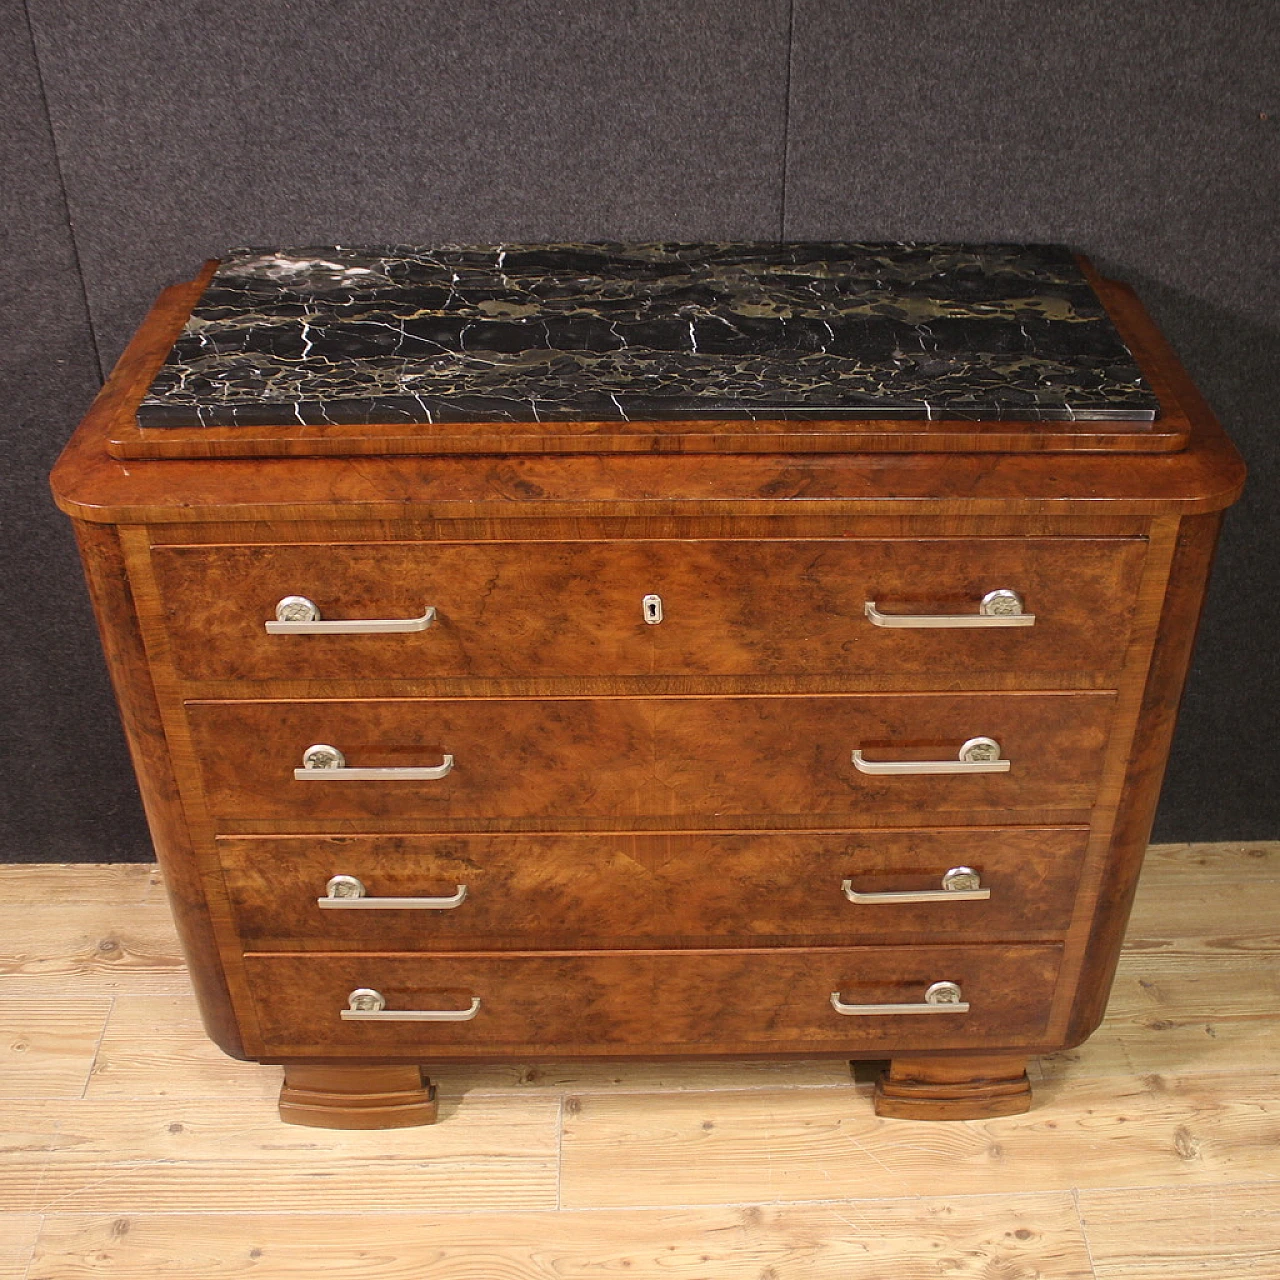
366, 1005
298, 616
1002, 608
941, 997
323, 763
978, 755
960, 884
348, 893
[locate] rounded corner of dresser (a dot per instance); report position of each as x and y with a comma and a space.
1213, 476
75, 477
1085, 1020
1238, 478
68, 499
226, 1035
1222, 498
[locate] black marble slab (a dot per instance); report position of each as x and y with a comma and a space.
647, 332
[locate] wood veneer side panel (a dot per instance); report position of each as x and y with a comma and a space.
1147, 611
130, 672
1184, 601
135, 546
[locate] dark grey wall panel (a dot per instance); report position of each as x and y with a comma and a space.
66, 789
188, 127
1130, 127
1148, 135
1222, 775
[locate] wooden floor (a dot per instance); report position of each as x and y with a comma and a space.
130, 1147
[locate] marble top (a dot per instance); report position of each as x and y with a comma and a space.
640, 332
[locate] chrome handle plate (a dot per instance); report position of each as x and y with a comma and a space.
978, 755
959, 884
298, 616
1000, 608
347, 893
323, 763
940, 997
366, 1005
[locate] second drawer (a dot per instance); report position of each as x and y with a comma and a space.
506, 892
621, 759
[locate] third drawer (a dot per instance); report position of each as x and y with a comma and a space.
519, 891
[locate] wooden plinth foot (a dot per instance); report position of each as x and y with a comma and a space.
357, 1097
973, 1088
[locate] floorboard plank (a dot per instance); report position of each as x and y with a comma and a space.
89, 948
47, 1048
800, 1145
114, 884
1218, 1018
1197, 864
156, 1047
1174, 926
1013, 1238
30, 1130
1211, 1233
18, 1233
132, 1156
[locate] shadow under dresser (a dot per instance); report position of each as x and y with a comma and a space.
648, 651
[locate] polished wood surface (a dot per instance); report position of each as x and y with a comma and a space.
673, 889
629, 804
729, 607
1162, 694
624, 758
572, 1004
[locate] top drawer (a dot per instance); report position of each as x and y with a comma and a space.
651, 607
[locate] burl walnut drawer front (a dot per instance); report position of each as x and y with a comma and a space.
498, 892
726, 1001
545, 609
619, 758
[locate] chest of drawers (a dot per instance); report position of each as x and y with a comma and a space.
563, 753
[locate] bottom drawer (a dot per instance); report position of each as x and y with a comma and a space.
652, 1002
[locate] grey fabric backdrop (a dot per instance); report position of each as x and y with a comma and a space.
141, 137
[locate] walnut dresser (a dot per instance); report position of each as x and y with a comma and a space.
648, 650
